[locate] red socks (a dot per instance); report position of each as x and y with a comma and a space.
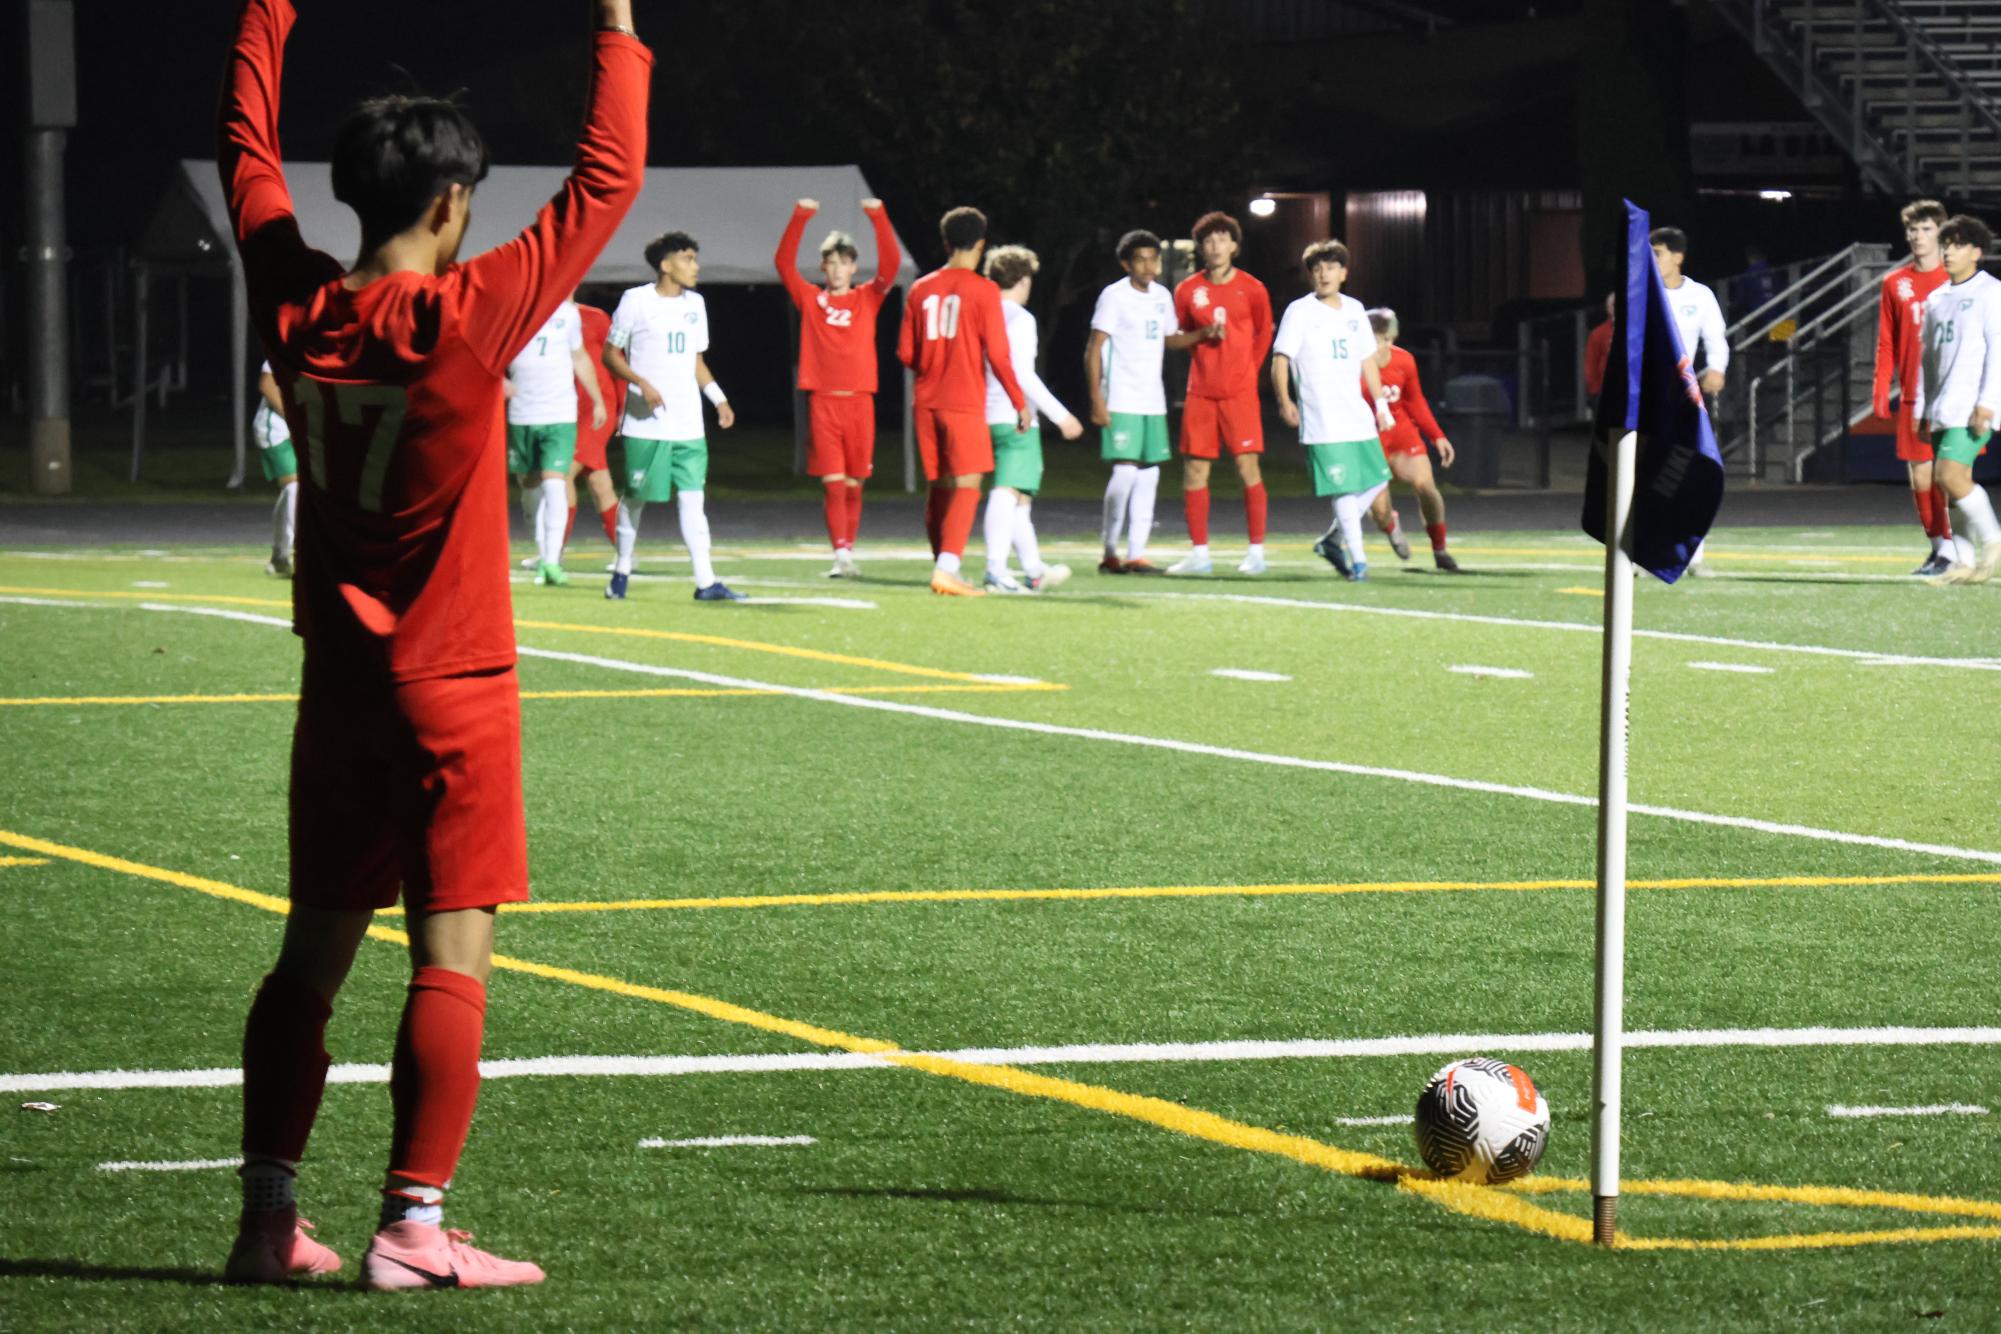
1254, 511
434, 1079
1934, 512
1437, 531
284, 1068
936, 502
834, 508
854, 511
1195, 504
962, 506
609, 518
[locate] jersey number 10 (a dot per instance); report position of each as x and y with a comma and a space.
366, 420
941, 317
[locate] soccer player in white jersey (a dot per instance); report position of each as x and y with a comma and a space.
1959, 387
1018, 452
1130, 328
542, 386
280, 463
1705, 340
658, 335
1325, 339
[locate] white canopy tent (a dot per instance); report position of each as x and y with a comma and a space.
737, 212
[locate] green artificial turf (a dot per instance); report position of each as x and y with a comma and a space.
928, 1200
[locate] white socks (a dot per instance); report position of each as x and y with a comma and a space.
1139, 518
1256, 551
1025, 543
629, 510
551, 517
695, 532
1348, 520
1118, 491
1976, 515
1200, 551
1001, 502
284, 521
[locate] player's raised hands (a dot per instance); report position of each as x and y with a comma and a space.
810, 205
871, 206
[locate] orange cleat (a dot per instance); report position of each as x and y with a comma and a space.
272, 1247
952, 586
416, 1255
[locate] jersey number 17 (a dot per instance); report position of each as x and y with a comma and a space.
365, 422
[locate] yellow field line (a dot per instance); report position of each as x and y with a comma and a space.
1584, 592
1502, 1205
882, 896
1597, 555
982, 688
24, 861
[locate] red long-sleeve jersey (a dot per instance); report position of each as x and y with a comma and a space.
953, 329
394, 388
1406, 396
837, 333
596, 328
1597, 354
1900, 318
1225, 368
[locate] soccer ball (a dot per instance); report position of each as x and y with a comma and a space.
1481, 1120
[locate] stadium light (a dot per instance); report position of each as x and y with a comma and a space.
1775, 196
1263, 206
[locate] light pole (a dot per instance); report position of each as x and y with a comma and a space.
48, 72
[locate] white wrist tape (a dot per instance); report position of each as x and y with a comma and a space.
714, 393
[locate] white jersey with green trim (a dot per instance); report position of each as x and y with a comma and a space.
1960, 361
270, 428
661, 336
1326, 346
1705, 341
1136, 324
544, 377
1023, 342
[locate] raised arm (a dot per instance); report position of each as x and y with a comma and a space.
888, 255
512, 289
1888, 315
786, 261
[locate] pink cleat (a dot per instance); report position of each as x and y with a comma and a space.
272, 1247
417, 1255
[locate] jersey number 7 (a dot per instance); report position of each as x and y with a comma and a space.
364, 424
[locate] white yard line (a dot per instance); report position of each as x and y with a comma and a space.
1131, 1053
1373, 1120
190, 1165
1502, 673
1743, 668
47, 602
844, 604
729, 1142
1934, 1109
221, 613
1245, 674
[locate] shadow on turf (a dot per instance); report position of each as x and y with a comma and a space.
71, 1269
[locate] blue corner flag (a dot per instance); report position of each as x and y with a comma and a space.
1650, 388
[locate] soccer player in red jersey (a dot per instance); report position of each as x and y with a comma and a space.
1403, 444
406, 758
592, 465
837, 365
1598, 350
1900, 319
1225, 318
953, 329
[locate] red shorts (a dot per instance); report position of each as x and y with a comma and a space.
1237, 424
1403, 439
840, 435
591, 444
1912, 445
414, 787
953, 444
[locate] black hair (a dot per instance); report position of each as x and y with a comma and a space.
962, 228
1965, 229
1324, 252
394, 155
1211, 223
1673, 239
1134, 241
673, 243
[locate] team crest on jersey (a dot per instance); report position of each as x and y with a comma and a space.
692, 318
1201, 298
1906, 289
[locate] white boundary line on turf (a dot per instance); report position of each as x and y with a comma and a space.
190, 1165
47, 602
1199, 748
1934, 1109
729, 1142
1575, 627
1374, 1120
1130, 1053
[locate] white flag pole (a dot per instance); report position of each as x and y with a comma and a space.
1609, 1022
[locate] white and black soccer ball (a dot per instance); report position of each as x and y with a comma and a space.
1481, 1120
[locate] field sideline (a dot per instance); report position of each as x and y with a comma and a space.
1175, 891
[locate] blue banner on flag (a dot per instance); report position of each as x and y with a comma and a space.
1650, 388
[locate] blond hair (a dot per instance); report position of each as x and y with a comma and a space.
838, 243
1009, 264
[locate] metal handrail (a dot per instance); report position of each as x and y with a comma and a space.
1921, 40
1785, 299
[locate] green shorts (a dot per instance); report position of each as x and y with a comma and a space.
278, 461
1959, 444
1017, 457
1347, 467
540, 448
1134, 438
656, 469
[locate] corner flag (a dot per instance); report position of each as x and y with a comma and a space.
1650, 389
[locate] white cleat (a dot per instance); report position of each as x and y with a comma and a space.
1252, 565
1192, 565
1002, 582
844, 566
1053, 576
